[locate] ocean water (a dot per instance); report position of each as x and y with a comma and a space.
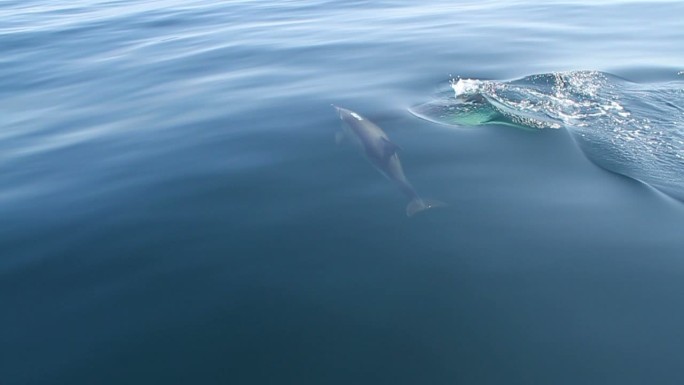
174, 208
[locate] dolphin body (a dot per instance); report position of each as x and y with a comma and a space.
382, 153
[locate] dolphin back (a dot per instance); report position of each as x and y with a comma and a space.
382, 153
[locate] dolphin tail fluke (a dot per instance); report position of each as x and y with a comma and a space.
417, 205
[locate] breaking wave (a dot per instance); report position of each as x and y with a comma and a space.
633, 129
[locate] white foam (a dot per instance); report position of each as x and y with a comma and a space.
465, 86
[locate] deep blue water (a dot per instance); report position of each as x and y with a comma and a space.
174, 208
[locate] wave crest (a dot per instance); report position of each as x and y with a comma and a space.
633, 129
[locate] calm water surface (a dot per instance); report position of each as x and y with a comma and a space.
174, 208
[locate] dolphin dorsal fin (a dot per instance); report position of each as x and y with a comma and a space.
390, 148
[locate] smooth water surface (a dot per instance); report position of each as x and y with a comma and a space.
174, 208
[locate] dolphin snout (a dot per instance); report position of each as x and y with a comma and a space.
337, 109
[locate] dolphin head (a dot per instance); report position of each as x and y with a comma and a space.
338, 110
347, 115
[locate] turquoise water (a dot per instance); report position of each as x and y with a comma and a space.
174, 208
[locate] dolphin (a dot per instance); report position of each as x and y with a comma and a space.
382, 153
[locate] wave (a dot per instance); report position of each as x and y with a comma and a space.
633, 129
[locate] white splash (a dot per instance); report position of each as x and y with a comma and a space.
465, 86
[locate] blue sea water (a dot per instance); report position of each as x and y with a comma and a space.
174, 208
